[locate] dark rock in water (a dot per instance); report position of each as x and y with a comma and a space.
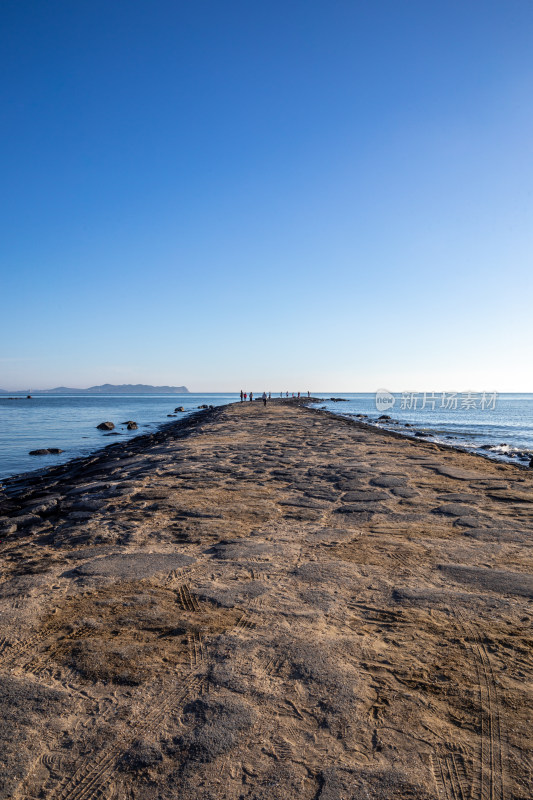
112, 434
361, 416
105, 426
28, 397
338, 399
48, 451
486, 447
408, 425
128, 422
421, 434
179, 409
531, 464
172, 415
204, 406
132, 426
383, 417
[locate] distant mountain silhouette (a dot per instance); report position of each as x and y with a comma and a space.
107, 388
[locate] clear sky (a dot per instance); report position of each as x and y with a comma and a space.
293, 194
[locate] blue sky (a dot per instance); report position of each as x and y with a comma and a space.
284, 195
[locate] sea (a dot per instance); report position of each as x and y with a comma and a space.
496, 426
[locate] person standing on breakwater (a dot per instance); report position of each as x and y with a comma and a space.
251, 396
245, 395
309, 394
270, 396
264, 398
242, 395
298, 395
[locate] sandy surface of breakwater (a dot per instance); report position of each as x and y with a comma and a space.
267, 603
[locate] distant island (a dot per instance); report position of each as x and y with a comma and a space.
106, 388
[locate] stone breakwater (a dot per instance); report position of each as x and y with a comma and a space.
267, 603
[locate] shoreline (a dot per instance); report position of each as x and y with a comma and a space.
520, 457
267, 603
143, 440
491, 451
498, 458
76, 465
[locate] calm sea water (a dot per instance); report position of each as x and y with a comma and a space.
69, 422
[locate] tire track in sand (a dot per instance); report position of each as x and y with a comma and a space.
489, 783
93, 775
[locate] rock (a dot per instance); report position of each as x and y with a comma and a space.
132, 426
388, 481
105, 426
48, 451
27, 520
421, 434
7, 527
454, 510
179, 409
140, 756
383, 417
364, 496
44, 506
128, 422
79, 516
172, 415
134, 565
203, 406
405, 492
492, 580
359, 508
